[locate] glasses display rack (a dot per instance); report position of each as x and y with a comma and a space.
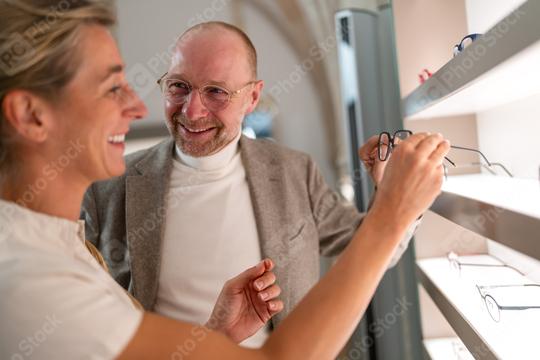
502, 209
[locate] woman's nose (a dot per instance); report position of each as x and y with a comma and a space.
134, 106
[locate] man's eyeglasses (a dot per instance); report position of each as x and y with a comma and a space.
387, 142
466, 41
493, 307
213, 97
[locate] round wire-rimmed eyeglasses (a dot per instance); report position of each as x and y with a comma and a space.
492, 305
213, 97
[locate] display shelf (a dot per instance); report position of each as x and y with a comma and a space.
498, 68
450, 348
503, 209
516, 194
456, 296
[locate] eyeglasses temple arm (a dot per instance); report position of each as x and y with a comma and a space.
504, 168
476, 151
161, 78
450, 161
487, 287
518, 307
488, 168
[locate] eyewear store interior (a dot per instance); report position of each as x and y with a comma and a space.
478, 250
469, 69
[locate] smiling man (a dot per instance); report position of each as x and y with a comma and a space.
199, 208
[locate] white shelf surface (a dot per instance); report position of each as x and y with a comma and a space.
515, 336
450, 348
519, 195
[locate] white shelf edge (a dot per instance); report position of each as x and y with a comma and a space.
461, 326
508, 227
441, 348
519, 36
425, 352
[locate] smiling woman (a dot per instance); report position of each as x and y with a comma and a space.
65, 109
63, 82
29, 63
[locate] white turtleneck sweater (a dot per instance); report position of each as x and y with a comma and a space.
210, 235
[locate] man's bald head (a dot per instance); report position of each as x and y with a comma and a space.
219, 61
251, 52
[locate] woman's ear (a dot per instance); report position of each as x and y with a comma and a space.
27, 114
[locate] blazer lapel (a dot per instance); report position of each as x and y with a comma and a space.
265, 184
146, 188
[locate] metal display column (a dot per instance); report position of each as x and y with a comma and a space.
371, 101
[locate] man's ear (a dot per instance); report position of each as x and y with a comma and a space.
255, 96
26, 113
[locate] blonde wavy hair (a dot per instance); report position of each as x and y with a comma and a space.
38, 50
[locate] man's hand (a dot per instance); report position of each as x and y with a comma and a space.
246, 302
369, 155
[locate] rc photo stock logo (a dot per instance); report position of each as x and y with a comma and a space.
141, 80
15, 53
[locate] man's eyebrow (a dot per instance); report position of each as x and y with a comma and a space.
219, 83
179, 76
115, 69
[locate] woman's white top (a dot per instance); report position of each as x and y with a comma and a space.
56, 301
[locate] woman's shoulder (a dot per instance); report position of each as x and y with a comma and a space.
58, 296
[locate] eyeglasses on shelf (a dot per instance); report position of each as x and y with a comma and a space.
466, 41
494, 308
456, 264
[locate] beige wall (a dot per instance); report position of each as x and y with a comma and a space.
461, 131
426, 32
509, 134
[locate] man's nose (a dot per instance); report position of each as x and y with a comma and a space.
194, 108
